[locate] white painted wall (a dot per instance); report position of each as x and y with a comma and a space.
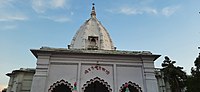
128, 73
73, 67
20, 81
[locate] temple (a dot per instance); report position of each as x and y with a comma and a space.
91, 63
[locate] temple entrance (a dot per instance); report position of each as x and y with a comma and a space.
130, 87
96, 85
61, 86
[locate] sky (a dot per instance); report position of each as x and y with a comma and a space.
164, 27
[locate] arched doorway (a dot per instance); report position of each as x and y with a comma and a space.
61, 86
131, 87
96, 85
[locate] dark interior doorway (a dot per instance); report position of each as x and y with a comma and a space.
131, 89
96, 86
61, 88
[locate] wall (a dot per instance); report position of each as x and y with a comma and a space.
20, 80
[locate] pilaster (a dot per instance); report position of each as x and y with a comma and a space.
40, 77
149, 75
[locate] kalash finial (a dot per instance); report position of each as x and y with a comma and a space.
93, 13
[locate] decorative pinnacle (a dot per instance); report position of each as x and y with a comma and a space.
93, 13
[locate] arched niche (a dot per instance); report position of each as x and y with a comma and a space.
61, 86
133, 87
96, 85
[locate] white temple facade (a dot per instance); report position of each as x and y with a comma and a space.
91, 63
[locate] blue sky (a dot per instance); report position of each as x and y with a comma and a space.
165, 27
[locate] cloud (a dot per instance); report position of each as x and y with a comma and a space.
129, 11
57, 3
4, 3
133, 11
150, 10
60, 19
8, 27
38, 5
41, 6
10, 12
13, 17
168, 11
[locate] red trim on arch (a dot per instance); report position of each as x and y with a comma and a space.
99, 80
131, 84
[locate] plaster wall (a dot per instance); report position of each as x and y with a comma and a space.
20, 81
115, 70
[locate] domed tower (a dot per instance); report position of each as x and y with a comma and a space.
92, 36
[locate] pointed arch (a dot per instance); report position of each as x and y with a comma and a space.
61, 85
99, 81
133, 87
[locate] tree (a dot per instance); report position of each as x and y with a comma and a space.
193, 80
174, 75
196, 71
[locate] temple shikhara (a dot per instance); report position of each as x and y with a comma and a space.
90, 63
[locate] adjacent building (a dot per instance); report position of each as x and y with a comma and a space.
20, 80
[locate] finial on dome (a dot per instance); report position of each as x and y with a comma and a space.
93, 13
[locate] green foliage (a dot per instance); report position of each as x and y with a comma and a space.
193, 81
174, 75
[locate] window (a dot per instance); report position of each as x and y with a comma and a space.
93, 42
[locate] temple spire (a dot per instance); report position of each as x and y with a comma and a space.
92, 35
93, 13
